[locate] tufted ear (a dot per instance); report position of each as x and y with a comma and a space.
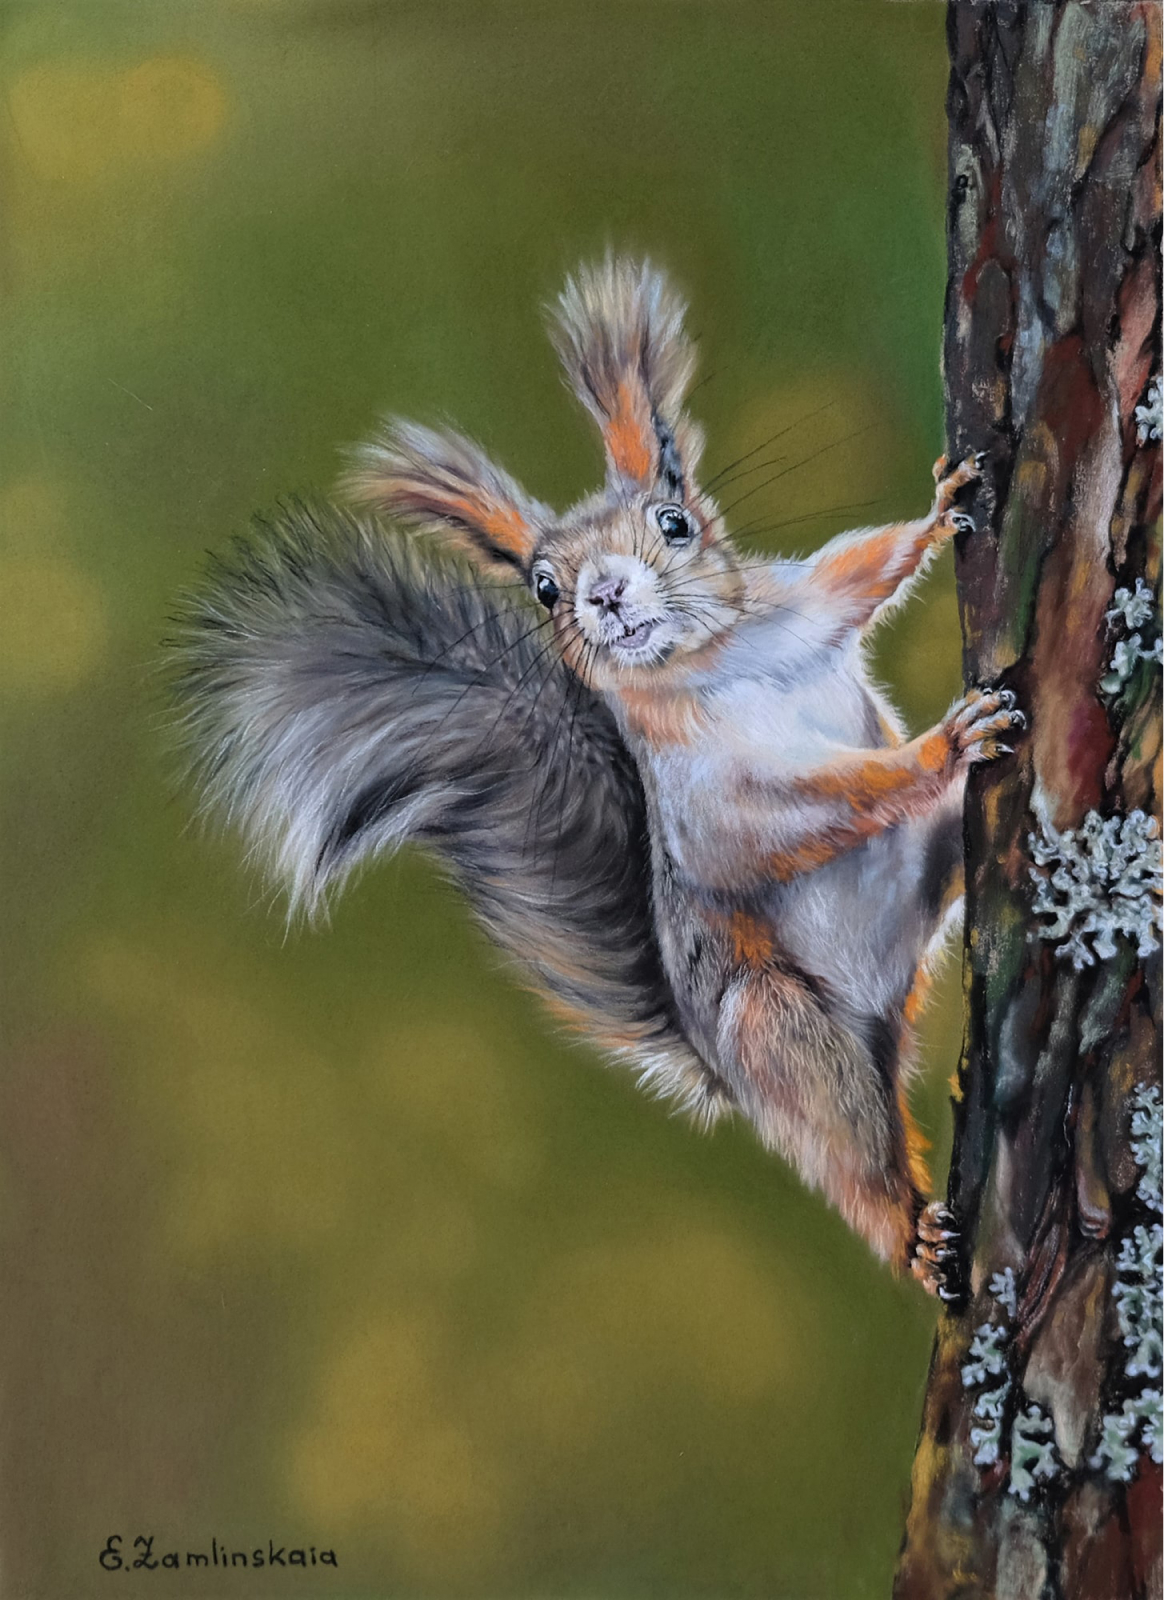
445, 482
618, 328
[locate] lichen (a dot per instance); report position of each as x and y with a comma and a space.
1138, 1286
987, 1440
1149, 420
1127, 1433
1139, 1296
1002, 1287
1146, 1132
1032, 1452
987, 1355
1103, 884
1132, 609
1148, 1407
988, 1359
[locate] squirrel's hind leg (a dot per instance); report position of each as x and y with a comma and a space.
817, 1095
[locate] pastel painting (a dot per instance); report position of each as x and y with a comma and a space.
583, 760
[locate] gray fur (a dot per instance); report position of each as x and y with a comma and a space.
340, 697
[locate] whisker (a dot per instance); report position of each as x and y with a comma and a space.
704, 611
845, 439
475, 681
531, 667
746, 472
553, 773
758, 527
483, 622
696, 594
767, 443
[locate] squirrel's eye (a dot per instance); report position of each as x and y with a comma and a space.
546, 590
674, 524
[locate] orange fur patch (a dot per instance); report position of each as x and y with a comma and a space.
916, 1144
785, 865
674, 720
916, 999
859, 565
933, 752
507, 529
628, 435
873, 567
859, 782
752, 943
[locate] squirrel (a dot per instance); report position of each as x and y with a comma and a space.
659, 770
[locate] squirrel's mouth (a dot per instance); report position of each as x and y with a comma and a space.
633, 638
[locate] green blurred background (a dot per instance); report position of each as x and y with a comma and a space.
327, 1238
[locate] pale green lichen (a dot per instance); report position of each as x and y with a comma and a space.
1032, 1452
987, 1355
1147, 1129
1138, 1291
1132, 609
987, 1440
1103, 884
988, 1359
1127, 1434
1002, 1287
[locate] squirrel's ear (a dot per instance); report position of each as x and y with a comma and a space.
447, 483
618, 328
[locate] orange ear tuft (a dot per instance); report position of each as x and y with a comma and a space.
618, 328
630, 436
445, 482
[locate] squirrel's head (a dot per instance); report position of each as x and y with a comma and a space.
636, 577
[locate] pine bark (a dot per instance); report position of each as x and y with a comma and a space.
1051, 340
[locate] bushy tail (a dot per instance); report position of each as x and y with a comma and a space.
339, 696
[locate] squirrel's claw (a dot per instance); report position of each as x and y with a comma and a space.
978, 723
950, 479
935, 1253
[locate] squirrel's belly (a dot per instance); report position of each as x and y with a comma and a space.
863, 922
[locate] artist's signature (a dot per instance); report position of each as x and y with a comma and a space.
145, 1554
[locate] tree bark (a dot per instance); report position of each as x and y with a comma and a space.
1034, 1476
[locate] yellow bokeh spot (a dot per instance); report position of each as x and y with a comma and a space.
32, 515
692, 1310
386, 1444
78, 121
54, 629
445, 1083
261, 1129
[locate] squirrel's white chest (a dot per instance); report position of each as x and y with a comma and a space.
766, 731
757, 736
721, 800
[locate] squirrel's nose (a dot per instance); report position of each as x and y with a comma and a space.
606, 593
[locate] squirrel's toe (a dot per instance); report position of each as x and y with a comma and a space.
936, 1261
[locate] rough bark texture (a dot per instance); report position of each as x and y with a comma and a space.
1051, 340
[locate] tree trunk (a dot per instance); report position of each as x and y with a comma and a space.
1038, 1467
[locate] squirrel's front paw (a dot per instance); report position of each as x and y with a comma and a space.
949, 481
977, 725
935, 1262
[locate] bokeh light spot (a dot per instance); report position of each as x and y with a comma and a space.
77, 120
55, 625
